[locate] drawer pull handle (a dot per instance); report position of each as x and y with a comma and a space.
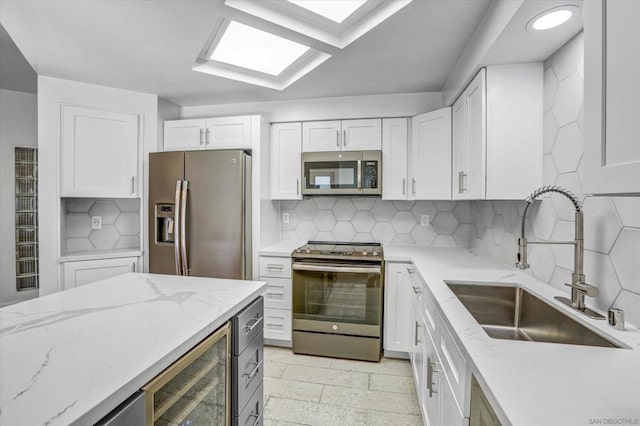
274, 325
258, 416
416, 290
255, 369
431, 370
415, 337
249, 328
273, 267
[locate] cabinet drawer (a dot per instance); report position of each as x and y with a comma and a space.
278, 293
248, 371
455, 369
252, 413
247, 325
277, 324
276, 267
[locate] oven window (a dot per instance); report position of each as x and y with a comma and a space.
344, 297
331, 174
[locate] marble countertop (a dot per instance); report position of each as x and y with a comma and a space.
99, 254
530, 383
73, 356
281, 249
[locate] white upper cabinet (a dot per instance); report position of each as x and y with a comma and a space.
394, 158
184, 135
99, 151
362, 135
497, 134
210, 133
430, 156
612, 90
286, 148
228, 133
345, 135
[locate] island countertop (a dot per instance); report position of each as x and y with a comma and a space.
73, 356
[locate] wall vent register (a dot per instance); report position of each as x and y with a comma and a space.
26, 219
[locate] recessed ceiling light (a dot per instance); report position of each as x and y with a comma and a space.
248, 47
336, 10
551, 18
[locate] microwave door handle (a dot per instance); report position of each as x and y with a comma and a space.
359, 174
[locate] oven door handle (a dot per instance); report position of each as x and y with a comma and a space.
336, 268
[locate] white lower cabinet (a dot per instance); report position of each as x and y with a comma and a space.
276, 271
397, 297
441, 373
87, 271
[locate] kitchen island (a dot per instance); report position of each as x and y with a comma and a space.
73, 356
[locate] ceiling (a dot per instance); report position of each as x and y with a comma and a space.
15, 72
151, 45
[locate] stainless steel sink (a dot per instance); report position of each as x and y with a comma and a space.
513, 313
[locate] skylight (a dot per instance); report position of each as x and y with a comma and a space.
336, 10
248, 47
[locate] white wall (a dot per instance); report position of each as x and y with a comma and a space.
53, 92
18, 127
401, 105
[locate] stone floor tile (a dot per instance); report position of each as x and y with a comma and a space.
390, 383
326, 376
380, 418
273, 368
396, 367
286, 356
292, 389
370, 399
313, 413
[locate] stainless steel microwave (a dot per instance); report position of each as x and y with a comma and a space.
342, 173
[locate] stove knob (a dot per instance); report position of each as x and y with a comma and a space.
375, 253
308, 251
364, 253
298, 251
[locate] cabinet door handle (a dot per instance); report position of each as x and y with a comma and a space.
410, 270
253, 372
415, 336
431, 370
133, 184
133, 267
461, 176
258, 416
201, 136
413, 186
416, 290
249, 328
344, 138
206, 139
404, 186
297, 186
338, 138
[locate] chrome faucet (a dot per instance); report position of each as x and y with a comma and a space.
579, 288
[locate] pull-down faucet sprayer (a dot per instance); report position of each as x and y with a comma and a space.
578, 286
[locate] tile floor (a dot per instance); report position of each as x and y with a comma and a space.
315, 391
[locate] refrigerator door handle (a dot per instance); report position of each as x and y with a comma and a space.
183, 228
176, 238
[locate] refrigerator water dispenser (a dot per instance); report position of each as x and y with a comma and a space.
165, 223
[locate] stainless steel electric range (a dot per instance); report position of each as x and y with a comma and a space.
337, 299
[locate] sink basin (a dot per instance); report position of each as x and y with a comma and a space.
512, 313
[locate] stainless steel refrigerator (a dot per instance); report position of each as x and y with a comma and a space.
200, 213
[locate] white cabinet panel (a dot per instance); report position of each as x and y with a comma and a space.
278, 294
394, 158
277, 324
88, 271
228, 133
362, 135
430, 154
497, 134
321, 136
611, 107
184, 135
99, 153
345, 135
286, 148
398, 295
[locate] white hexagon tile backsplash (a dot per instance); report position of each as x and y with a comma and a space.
372, 219
611, 225
120, 224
